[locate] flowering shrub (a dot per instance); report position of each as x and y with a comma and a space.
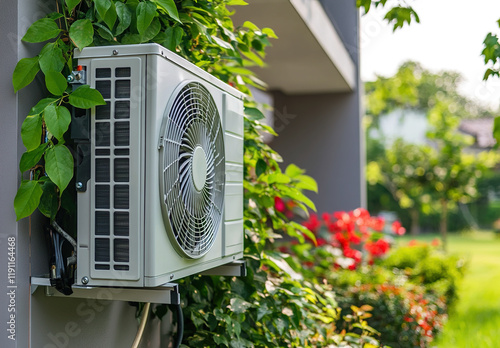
410, 288
350, 233
404, 316
424, 264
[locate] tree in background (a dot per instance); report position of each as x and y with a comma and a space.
455, 172
403, 170
427, 177
400, 13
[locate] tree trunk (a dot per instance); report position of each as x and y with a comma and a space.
443, 225
415, 223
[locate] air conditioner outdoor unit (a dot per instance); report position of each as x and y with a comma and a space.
160, 174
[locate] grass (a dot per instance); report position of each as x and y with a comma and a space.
475, 321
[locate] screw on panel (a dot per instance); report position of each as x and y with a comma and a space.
85, 280
79, 185
115, 52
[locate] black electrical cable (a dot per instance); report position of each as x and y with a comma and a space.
180, 326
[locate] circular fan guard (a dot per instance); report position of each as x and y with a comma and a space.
193, 140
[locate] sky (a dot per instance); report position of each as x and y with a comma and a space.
449, 37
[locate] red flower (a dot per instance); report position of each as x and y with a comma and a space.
376, 223
361, 213
325, 217
412, 243
378, 248
435, 242
397, 228
352, 254
313, 224
320, 242
355, 239
279, 205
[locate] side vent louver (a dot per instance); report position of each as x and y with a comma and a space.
112, 172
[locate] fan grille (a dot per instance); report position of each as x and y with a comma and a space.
192, 141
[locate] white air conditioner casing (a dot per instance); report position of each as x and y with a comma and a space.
165, 194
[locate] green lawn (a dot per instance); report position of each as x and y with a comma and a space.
475, 322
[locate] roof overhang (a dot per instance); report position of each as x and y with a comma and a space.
309, 56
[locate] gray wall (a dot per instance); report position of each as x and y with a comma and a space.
321, 133
41, 321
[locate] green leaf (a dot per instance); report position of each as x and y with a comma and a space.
293, 171
27, 199
303, 229
173, 37
306, 183
59, 166
130, 39
260, 167
145, 13
496, 129
238, 305
222, 43
169, 7
42, 30
31, 132
54, 15
250, 25
56, 82
270, 33
85, 97
236, 2
24, 72
107, 11
298, 196
81, 33
51, 58
31, 158
151, 31
104, 32
254, 114
102, 6
49, 201
72, 4
57, 120
111, 15
41, 105
278, 178
124, 17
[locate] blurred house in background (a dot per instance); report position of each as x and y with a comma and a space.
482, 131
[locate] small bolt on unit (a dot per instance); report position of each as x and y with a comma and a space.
77, 76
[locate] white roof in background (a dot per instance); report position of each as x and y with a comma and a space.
309, 56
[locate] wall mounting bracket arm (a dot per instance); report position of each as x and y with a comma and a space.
165, 294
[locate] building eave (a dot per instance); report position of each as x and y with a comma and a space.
309, 56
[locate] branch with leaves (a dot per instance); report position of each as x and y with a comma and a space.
398, 15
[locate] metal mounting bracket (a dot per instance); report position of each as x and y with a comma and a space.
233, 269
166, 294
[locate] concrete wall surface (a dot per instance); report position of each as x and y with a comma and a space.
322, 134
